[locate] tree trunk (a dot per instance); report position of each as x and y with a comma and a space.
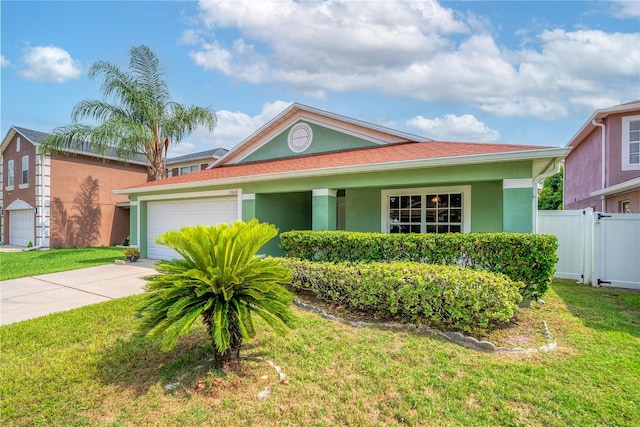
229, 360
157, 168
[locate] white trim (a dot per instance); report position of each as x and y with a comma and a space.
249, 196
626, 166
324, 192
193, 195
517, 183
18, 205
466, 202
133, 203
623, 187
375, 167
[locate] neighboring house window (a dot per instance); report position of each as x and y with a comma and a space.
631, 143
25, 169
10, 170
18, 145
427, 210
625, 206
189, 169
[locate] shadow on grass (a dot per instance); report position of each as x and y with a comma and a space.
138, 363
602, 309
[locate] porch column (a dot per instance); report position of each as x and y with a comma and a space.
248, 206
324, 209
517, 205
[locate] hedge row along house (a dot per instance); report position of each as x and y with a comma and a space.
309, 169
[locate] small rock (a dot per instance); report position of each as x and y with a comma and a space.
171, 386
264, 377
264, 393
120, 262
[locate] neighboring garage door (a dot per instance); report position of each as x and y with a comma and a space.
21, 227
172, 215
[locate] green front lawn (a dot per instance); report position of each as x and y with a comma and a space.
87, 367
14, 265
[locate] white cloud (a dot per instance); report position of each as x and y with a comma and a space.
465, 128
4, 62
416, 49
232, 128
49, 64
625, 8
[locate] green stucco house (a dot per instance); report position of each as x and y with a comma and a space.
315, 170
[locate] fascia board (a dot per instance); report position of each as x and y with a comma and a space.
376, 167
630, 185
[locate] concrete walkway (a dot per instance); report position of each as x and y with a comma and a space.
29, 297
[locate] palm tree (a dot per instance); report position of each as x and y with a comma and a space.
220, 280
143, 119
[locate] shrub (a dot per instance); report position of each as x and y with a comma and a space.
526, 258
445, 297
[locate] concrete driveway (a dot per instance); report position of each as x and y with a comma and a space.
29, 297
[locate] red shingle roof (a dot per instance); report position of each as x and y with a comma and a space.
357, 157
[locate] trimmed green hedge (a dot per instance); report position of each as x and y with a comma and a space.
526, 258
450, 298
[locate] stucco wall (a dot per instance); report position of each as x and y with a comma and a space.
613, 202
582, 173
83, 206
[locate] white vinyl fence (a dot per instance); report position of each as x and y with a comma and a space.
595, 248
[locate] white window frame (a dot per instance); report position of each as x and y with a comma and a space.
25, 168
10, 174
18, 144
192, 168
626, 143
465, 190
625, 204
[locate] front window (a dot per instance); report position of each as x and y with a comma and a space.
631, 143
10, 171
25, 169
440, 210
188, 169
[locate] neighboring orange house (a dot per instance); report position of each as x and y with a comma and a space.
602, 171
62, 201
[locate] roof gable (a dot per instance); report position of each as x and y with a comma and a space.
34, 137
31, 136
598, 116
330, 132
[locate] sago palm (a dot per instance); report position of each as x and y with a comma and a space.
220, 280
142, 120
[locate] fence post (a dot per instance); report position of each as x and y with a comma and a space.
589, 246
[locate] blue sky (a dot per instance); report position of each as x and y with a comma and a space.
499, 71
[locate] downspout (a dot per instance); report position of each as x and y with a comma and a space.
603, 128
552, 169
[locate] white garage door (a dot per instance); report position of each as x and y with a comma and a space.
21, 227
173, 215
